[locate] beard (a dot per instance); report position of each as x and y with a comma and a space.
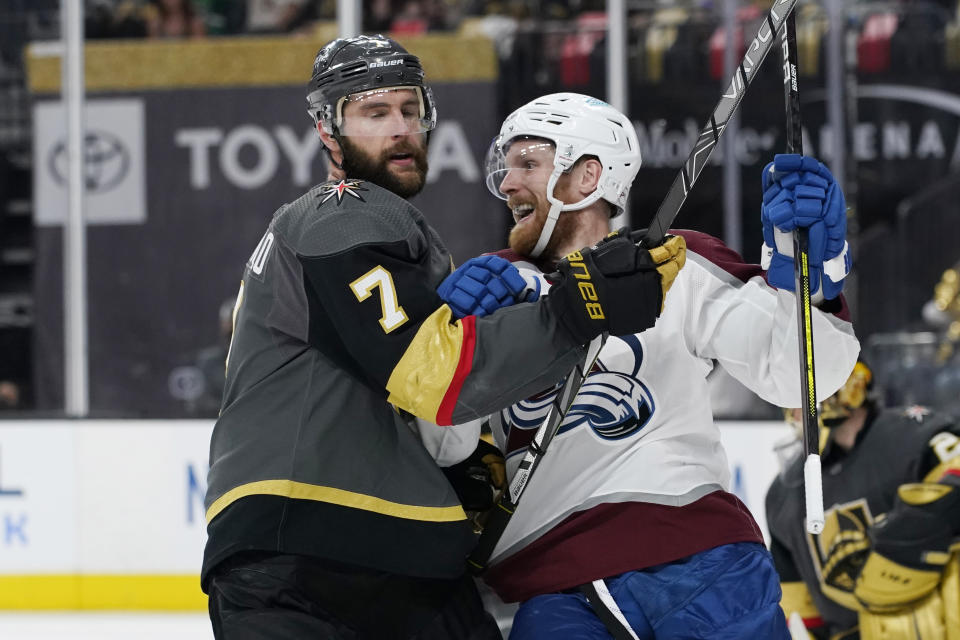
523, 238
408, 182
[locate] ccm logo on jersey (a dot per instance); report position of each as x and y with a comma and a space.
587, 291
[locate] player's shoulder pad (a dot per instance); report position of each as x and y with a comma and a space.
715, 251
336, 216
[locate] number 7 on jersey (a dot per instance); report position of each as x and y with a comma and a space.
393, 314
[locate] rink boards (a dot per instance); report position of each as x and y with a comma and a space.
108, 514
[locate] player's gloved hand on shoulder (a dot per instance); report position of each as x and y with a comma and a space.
484, 284
614, 287
479, 478
800, 192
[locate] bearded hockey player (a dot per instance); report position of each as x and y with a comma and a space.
628, 526
884, 567
327, 517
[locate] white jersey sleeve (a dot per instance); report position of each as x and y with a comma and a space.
751, 330
449, 445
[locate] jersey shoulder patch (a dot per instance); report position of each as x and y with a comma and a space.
335, 192
336, 216
916, 412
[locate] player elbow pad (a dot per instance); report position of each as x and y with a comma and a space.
910, 547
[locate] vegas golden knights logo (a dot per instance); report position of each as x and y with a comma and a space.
839, 551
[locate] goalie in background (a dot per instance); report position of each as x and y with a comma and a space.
633, 499
884, 567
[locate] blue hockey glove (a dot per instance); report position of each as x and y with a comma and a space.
484, 284
800, 192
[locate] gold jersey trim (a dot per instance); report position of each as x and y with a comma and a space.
423, 375
342, 497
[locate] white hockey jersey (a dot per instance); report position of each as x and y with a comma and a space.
636, 475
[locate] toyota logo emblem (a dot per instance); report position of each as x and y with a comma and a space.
106, 161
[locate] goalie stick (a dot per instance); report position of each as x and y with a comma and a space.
501, 513
812, 480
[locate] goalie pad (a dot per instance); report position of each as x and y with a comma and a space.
910, 547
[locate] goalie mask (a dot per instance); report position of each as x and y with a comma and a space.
835, 410
364, 70
576, 126
854, 394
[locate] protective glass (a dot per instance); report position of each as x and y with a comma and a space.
520, 157
393, 111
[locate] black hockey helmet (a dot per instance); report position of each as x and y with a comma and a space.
349, 66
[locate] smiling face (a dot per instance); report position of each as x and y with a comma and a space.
383, 141
529, 163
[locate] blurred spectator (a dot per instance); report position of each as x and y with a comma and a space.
377, 16
943, 312
223, 17
114, 19
274, 16
174, 19
9, 395
411, 20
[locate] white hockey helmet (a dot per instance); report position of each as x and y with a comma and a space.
578, 126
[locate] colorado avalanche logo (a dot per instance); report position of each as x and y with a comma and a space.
613, 403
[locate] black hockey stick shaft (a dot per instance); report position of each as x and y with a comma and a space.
711, 132
813, 487
500, 515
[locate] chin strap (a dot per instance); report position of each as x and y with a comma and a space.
556, 208
336, 136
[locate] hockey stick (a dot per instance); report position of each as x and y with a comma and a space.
677, 194
812, 481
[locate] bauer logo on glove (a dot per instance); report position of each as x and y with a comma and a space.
579, 270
